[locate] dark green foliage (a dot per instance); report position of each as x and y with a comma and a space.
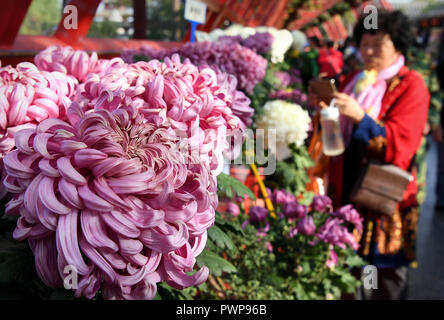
18, 277
291, 174
230, 187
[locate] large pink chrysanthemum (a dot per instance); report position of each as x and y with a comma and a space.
28, 96
112, 195
173, 93
76, 63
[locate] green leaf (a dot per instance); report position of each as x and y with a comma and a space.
354, 261
215, 263
225, 225
227, 185
137, 58
220, 238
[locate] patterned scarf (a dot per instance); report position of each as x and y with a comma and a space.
368, 88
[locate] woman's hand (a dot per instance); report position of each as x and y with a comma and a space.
349, 107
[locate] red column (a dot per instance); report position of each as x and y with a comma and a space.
139, 19
86, 11
12, 14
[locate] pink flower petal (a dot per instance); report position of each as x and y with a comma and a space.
45, 254
103, 190
70, 194
40, 144
95, 231
48, 197
14, 166
22, 140
129, 246
92, 201
115, 259
121, 224
68, 172
47, 169
165, 240
87, 157
22, 230
67, 242
181, 279
98, 260
46, 217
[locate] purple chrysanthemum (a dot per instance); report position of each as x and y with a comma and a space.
247, 66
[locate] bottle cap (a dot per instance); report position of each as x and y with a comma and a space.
331, 113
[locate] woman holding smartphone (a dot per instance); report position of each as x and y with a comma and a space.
383, 109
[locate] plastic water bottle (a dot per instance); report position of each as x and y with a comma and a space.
332, 141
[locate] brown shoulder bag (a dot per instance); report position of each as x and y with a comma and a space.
381, 187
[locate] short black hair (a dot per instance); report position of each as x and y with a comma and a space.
394, 23
315, 41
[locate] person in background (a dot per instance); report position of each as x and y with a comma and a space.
330, 61
309, 68
352, 61
384, 110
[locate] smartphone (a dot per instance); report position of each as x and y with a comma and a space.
324, 88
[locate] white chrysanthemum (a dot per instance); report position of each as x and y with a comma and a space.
282, 41
290, 121
216, 34
202, 36
299, 39
246, 32
239, 30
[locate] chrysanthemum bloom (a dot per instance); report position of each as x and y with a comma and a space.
172, 93
291, 123
334, 233
246, 65
282, 41
258, 42
239, 102
261, 42
111, 195
284, 79
306, 226
322, 203
258, 214
349, 214
281, 197
233, 209
28, 96
294, 210
76, 63
292, 95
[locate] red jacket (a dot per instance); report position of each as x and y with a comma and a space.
404, 112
